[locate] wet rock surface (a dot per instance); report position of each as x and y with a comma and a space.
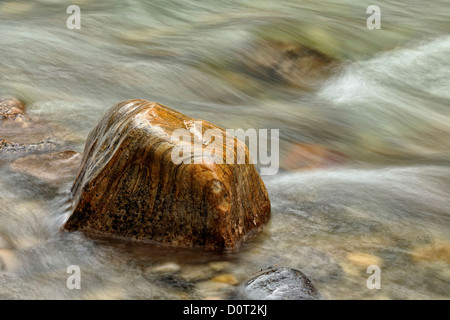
129, 186
280, 284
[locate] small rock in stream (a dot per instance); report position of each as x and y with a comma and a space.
226, 278
20, 135
287, 63
165, 268
280, 284
10, 149
195, 273
212, 290
12, 109
8, 260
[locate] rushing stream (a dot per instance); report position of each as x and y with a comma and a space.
385, 110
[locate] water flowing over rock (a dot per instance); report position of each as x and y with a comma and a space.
20, 135
129, 187
301, 156
280, 284
287, 63
10, 149
12, 109
53, 168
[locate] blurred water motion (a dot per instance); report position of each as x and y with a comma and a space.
384, 110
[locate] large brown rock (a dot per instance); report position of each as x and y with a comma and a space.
128, 185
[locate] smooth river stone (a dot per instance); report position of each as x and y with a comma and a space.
129, 187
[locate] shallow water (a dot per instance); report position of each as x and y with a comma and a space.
385, 109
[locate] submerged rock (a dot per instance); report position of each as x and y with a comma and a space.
309, 156
287, 63
437, 251
319, 265
129, 186
19, 134
12, 109
214, 290
53, 168
196, 272
14, 149
166, 268
357, 263
226, 278
8, 260
280, 284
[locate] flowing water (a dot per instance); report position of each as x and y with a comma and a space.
385, 110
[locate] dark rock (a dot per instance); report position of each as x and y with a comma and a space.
174, 282
128, 185
280, 284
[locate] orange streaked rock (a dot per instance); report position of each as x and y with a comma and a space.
128, 185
